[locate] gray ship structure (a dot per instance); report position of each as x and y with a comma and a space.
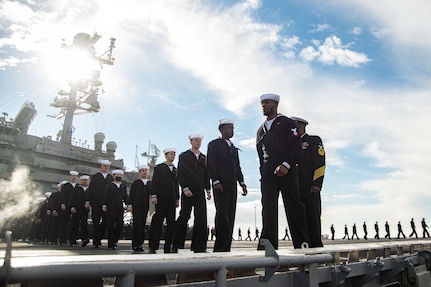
49, 159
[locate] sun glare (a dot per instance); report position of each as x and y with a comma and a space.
71, 64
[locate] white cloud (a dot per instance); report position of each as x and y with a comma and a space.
320, 28
356, 31
332, 51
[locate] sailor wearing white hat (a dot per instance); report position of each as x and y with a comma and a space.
273, 97
138, 204
194, 181
114, 197
78, 220
225, 171
67, 190
311, 171
105, 162
299, 120
165, 195
279, 147
94, 200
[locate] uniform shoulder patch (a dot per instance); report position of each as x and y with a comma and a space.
320, 150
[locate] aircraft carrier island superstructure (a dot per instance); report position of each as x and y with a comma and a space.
48, 159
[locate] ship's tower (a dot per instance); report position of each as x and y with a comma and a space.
84, 86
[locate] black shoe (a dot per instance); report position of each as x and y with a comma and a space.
174, 250
152, 251
96, 246
113, 247
138, 249
85, 242
199, 251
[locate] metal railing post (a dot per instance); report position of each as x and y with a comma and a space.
220, 278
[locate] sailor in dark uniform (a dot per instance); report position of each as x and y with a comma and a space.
54, 204
195, 185
165, 195
279, 148
225, 171
78, 221
138, 204
113, 204
311, 170
95, 193
67, 190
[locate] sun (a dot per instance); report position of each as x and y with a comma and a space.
71, 63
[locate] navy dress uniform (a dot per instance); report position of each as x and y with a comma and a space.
311, 171
115, 197
224, 168
279, 147
79, 219
165, 191
194, 181
139, 202
95, 194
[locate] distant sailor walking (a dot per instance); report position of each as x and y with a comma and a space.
95, 194
138, 203
113, 204
413, 226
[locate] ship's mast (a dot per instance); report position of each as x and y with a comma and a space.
84, 88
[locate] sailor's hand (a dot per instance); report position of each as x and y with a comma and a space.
281, 170
244, 190
188, 193
177, 204
87, 205
154, 200
314, 189
218, 187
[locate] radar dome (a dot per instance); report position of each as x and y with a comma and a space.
111, 146
99, 137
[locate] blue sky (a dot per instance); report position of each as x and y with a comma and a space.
358, 71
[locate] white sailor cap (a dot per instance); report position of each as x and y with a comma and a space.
143, 166
62, 183
196, 136
169, 149
296, 119
273, 97
73, 172
48, 194
84, 177
105, 162
117, 171
226, 121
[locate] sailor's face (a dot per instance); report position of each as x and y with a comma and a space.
227, 131
104, 168
269, 107
73, 178
84, 182
196, 143
143, 172
170, 156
